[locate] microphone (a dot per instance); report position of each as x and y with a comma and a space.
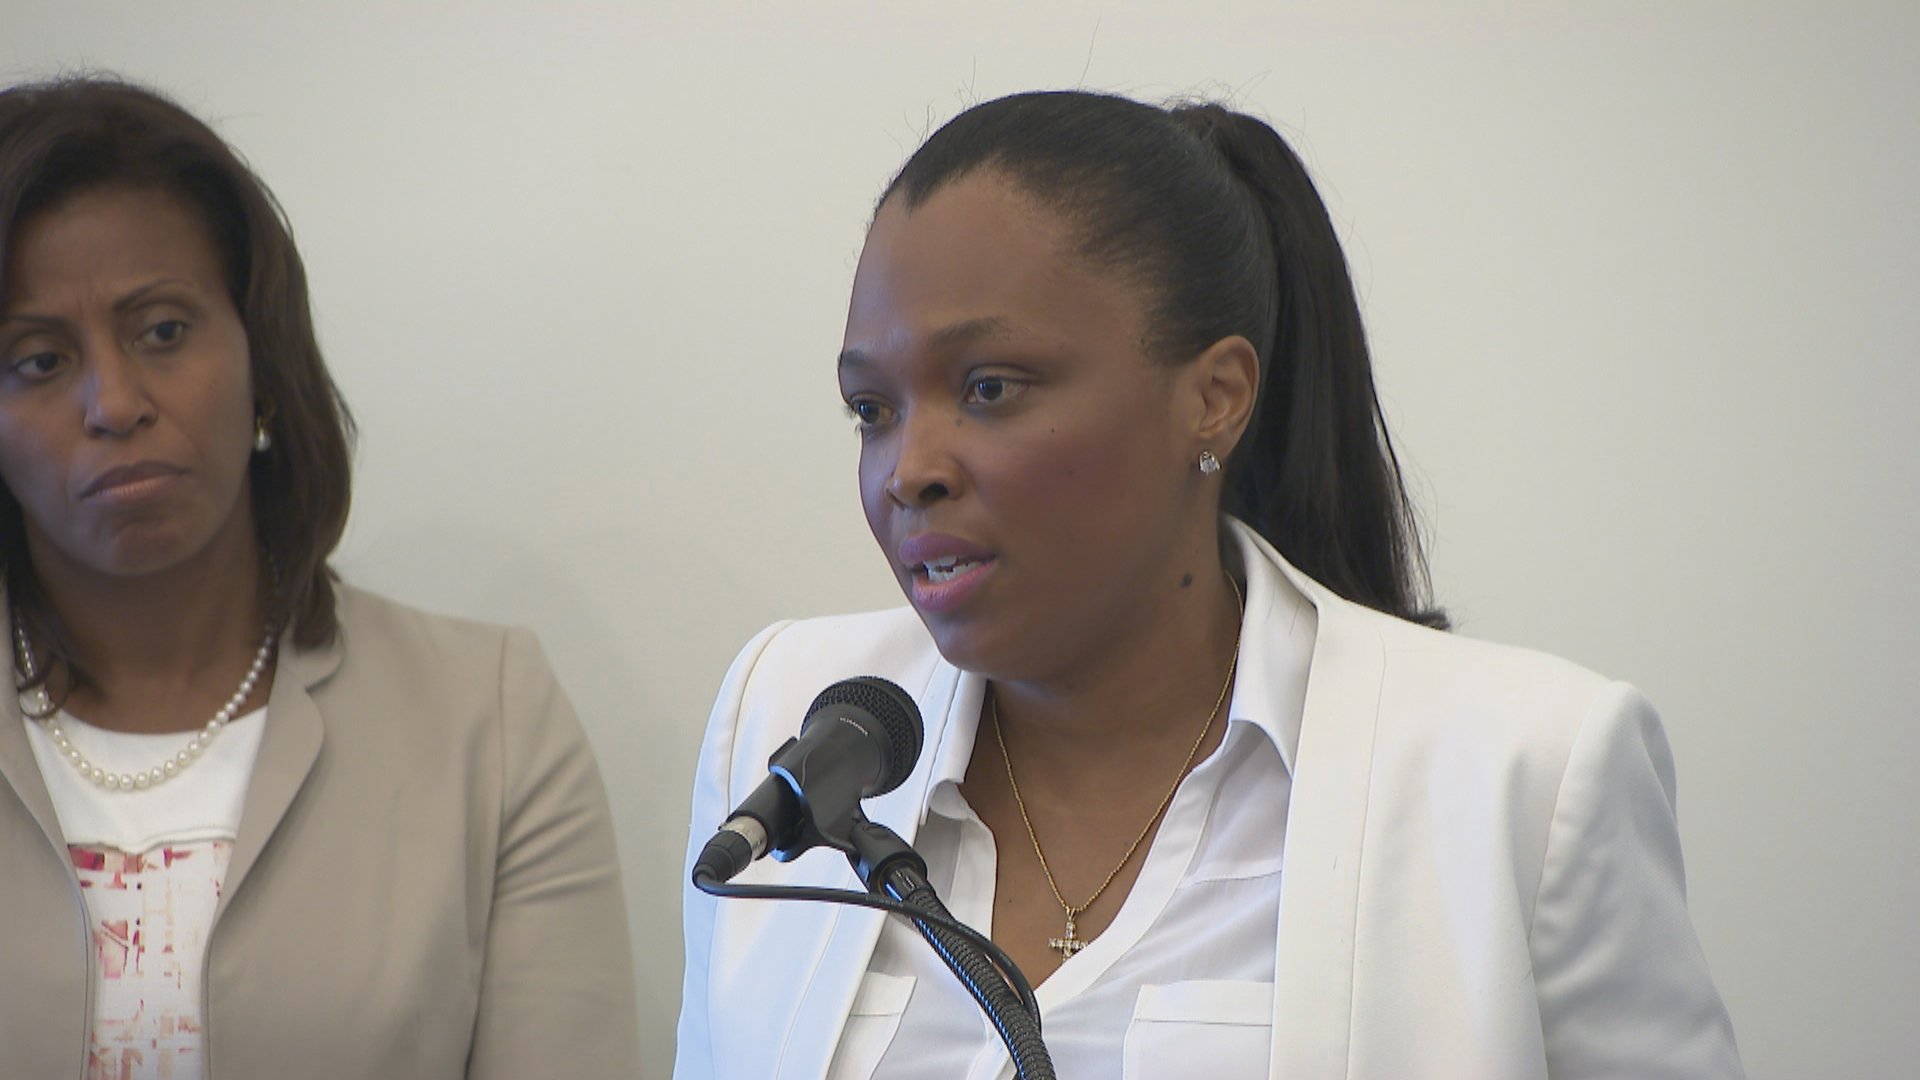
860, 738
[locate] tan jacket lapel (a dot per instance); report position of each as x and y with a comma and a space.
22, 772
46, 1025
289, 747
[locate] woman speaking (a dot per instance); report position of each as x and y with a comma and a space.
1198, 755
253, 823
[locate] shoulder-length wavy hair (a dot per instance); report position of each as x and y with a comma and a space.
77, 134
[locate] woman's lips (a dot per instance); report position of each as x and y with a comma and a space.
943, 571
946, 585
130, 483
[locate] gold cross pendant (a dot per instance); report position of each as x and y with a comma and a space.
1067, 945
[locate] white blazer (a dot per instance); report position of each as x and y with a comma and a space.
1481, 879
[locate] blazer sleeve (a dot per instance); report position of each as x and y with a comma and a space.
1623, 984
556, 994
712, 798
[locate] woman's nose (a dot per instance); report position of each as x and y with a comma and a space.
116, 401
925, 469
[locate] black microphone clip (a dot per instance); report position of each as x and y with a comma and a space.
860, 738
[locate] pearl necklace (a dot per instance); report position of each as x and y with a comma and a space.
38, 704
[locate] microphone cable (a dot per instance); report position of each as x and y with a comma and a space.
1007, 970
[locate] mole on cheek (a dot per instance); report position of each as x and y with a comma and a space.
1186, 581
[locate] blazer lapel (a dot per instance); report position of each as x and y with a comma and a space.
851, 933
1326, 826
289, 747
22, 773
45, 966
18, 765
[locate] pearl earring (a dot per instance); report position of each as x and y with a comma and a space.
1208, 463
262, 441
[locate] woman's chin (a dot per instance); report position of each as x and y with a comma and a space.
979, 647
147, 553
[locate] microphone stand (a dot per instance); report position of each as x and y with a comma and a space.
896, 879
888, 866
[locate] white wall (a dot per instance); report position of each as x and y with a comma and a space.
1639, 282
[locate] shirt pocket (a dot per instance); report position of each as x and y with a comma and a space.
1214, 1028
871, 1025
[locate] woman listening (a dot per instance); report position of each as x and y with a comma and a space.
1200, 757
253, 822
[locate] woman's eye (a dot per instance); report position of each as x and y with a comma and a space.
993, 389
164, 333
868, 413
36, 366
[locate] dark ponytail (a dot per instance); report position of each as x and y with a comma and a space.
1212, 214
1316, 472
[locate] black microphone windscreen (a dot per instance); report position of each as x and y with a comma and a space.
896, 713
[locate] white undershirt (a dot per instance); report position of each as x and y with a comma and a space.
1180, 984
150, 863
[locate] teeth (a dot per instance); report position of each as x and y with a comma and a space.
947, 569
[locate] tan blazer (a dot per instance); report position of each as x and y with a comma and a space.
424, 883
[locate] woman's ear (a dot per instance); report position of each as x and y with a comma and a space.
1225, 381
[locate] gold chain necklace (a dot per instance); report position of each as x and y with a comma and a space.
1068, 944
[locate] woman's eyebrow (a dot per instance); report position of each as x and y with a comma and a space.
947, 337
133, 298
128, 301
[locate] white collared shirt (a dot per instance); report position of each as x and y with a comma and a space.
1181, 983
